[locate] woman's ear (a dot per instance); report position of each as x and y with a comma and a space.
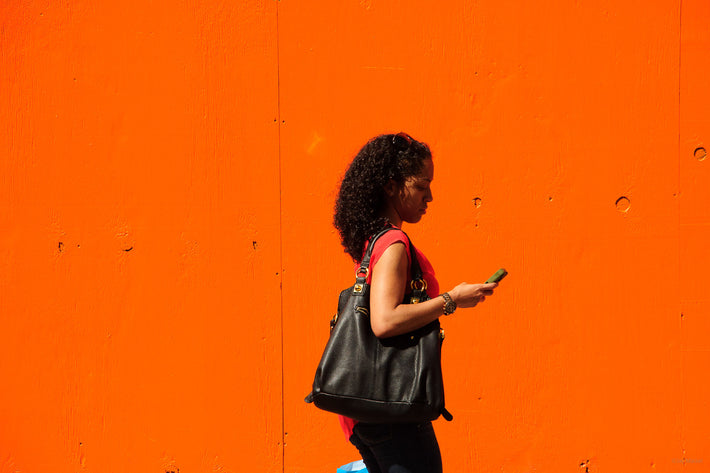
391, 188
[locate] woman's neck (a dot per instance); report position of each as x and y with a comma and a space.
390, 213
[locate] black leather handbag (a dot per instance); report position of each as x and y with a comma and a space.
389, 380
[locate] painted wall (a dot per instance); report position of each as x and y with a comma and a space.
168, 266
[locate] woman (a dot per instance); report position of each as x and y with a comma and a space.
389, 183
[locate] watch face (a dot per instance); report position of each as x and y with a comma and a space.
450, 307
449, 304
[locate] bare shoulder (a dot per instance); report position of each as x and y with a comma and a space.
393, 258
395, 250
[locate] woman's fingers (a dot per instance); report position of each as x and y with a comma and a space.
478, 292
468, 295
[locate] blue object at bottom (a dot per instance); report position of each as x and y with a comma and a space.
354, 467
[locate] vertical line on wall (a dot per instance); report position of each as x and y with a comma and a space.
680, 78
680, 228
281, 252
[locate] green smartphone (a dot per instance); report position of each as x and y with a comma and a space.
500, 274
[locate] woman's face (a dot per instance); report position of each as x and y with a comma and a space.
410, 201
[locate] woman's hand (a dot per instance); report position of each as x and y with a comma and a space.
468, 295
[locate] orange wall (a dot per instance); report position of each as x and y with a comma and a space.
168, 266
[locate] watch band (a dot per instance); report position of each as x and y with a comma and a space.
449, 304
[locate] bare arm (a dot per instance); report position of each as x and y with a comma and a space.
389, 317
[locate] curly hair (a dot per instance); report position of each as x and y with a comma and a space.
361, 197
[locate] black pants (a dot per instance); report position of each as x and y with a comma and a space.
398, 448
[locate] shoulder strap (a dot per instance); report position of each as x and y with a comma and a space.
418, 285
416, 269
364, 265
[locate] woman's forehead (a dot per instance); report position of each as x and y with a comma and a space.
427, 170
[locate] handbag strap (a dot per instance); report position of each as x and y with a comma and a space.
365, 263
417, 283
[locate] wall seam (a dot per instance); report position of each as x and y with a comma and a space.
680, 229
281, 246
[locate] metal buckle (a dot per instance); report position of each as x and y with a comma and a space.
333, 321
415, 288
